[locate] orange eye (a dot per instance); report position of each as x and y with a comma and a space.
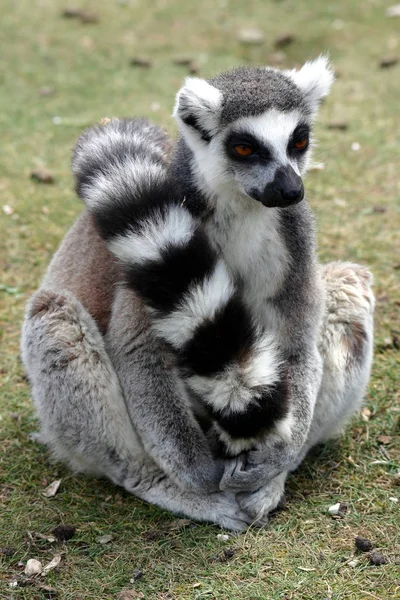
243, 150
301, 144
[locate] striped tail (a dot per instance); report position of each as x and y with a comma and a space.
192, 300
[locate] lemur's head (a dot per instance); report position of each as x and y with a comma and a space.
250, 129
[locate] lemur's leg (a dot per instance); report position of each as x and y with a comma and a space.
83, 414
191, 300
346, 347
74, 385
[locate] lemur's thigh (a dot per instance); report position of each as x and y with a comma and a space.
259, 504
83, 415
75, 388
346, 345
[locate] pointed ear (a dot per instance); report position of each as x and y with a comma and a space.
314, 79
198, 105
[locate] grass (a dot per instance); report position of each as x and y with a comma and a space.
304, 554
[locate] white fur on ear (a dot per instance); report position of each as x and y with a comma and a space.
314, 79
199, 103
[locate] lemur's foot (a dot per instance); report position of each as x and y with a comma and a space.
260, 504
229, 515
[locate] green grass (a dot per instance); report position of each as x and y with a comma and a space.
304, 553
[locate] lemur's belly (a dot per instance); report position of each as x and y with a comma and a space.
254, 250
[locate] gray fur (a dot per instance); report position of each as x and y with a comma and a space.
85, 420
250, 91
345, 343
115, 405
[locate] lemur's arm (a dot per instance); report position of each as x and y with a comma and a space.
192, 301
104, 163
279, 451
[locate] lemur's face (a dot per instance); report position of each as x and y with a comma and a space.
250, 129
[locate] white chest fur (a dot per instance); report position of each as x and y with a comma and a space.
247, 234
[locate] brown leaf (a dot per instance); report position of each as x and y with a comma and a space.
277, 58
84, 16
87, 17
42, 175
48, 591
71, 13
340, 125
384, 439
178, 524
141, 61
154, 534
182, 59
388, 61
284, 40
194, 67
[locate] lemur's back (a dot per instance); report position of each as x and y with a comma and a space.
83, 266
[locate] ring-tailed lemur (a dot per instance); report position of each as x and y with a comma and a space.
272, 349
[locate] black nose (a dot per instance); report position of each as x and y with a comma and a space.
292, 194
286, 189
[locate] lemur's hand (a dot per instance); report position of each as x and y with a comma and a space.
254, 469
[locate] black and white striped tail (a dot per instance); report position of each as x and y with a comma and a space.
168, 260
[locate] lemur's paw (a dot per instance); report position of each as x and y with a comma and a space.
227, 513
202, 478
238, 477
256, 468
260, 504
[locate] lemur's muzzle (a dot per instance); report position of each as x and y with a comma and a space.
286, 189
